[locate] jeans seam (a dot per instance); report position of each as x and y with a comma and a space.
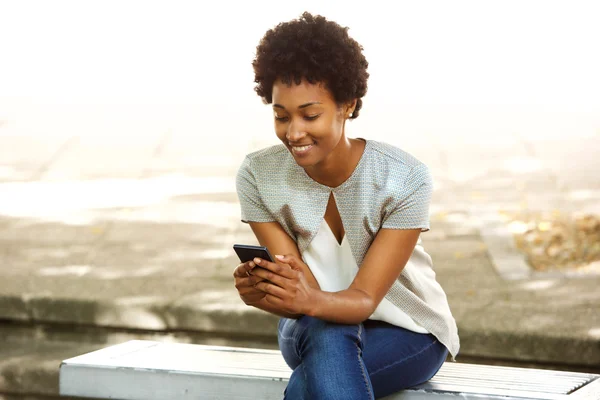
362, 367
295, 341
306, 392
405, 359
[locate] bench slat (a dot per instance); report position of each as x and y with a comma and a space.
140, 369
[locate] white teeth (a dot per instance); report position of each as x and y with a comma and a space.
302, 148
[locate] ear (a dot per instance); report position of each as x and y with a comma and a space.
349, 108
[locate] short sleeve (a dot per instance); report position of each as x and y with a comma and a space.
252, 207
411, 210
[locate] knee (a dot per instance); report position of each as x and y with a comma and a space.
321, 333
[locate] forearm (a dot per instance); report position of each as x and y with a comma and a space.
350, 306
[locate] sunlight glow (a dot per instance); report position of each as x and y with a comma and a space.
491, 69
523, 165
539, 285
21, 198
594, 333
518, 227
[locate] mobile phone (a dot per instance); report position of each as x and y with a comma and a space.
248, 252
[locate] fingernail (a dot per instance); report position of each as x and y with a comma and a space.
257, 260
251, 264
279, 257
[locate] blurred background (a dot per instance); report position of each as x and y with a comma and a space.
122, 124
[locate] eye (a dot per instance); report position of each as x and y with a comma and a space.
312, 117
280, 119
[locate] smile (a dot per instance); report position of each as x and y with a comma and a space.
300, 150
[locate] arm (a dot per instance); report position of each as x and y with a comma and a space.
269, 233
387, 256
272, 235
382, 265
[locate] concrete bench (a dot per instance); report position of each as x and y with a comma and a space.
169, 371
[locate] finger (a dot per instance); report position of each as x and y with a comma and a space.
279, 269
243, 269
251, 299
276, 301
271, 289
270, 276
291, 260
247, 281
239, 271
250, 291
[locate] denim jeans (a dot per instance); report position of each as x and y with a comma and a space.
365, 361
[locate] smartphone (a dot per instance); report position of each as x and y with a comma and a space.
248, 252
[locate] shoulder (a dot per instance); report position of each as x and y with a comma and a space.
397, 162
393, 155
267, 169
269, 153
264, 159
273, 155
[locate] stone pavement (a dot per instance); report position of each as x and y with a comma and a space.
105, 239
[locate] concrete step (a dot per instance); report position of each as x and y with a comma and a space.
65, 289
15, 396
521, 321
30, 354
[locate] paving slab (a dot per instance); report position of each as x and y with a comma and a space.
30, 355
33, 367
531, 314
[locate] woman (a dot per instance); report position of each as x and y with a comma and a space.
362, 315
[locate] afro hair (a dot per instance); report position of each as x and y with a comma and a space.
316, 50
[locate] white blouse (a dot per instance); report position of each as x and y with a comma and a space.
389, 189
334, 268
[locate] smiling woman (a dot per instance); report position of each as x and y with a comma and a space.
362, 313
310, 123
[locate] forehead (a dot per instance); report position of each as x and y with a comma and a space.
291, 96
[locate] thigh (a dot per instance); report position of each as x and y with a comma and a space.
397, 358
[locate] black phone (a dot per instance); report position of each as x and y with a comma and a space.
248, 252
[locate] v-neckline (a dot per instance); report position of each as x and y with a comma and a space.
348, 181
332, 235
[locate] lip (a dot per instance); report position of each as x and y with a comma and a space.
303, 152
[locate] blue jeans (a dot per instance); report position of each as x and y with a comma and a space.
365, 361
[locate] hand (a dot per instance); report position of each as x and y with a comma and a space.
245, 282
285, 285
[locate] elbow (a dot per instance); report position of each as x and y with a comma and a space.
368, 304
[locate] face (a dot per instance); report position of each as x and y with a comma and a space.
308, 121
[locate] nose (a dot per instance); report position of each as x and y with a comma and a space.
295, 131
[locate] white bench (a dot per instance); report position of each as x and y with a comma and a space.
170, 371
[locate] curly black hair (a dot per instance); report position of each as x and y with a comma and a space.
317, 50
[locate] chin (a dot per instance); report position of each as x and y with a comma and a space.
305, 162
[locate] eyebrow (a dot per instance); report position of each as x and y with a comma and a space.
300, 106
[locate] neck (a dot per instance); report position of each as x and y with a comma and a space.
339, 165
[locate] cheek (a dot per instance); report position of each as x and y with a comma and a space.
333, 128
280, 131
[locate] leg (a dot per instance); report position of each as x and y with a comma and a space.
326, 359
397, 358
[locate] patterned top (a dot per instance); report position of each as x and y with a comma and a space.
389, 188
